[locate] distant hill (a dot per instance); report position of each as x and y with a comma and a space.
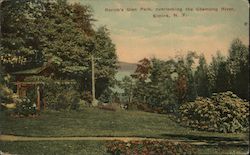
125, 69
125, 66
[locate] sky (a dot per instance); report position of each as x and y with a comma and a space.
137, 34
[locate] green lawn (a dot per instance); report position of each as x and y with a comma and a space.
92, 148
54, 148
96, 122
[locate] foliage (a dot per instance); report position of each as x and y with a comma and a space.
147, 147
66, 40
67, 99
25, 108
201, 78
185, 70
106, 61
87, 97
181, 88
213, 71
238, 64
223, 112
58, 95
63, 98
161, 85
143, 69
158, 89
6, 94
127, 84
19, 37
169, 83
231, 73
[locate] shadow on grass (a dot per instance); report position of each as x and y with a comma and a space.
200, 137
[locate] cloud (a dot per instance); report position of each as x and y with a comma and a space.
208, 29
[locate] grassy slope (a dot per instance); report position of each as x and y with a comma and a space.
96, 122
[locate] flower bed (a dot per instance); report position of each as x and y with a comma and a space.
147, 147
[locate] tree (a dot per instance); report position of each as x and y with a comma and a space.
106, 62
143, 69
140, 76
154, 84
231, 73
238, 61
201, 78
223, 78
185, 71
20, 43
127, 85
191, 92
162, 84
61, 34
43, 31
213, 71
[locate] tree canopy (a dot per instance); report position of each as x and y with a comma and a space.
170, 83
38, 32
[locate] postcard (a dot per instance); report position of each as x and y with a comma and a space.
124, 77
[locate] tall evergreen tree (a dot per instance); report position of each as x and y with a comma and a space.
223, 78
213, 72
201, 78
238, 62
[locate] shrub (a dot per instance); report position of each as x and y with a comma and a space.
75, 103
147, 147
25, 108
7, 95
67, 99
223, 112
87, 97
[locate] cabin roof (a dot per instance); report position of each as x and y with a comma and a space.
32, 71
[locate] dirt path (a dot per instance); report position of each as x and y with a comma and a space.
126, 139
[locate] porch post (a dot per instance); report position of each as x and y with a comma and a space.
18, 89
38, 97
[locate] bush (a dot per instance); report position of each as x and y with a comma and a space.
223, 112
67, 99
25, 108
7, 95
148, 148
87, 97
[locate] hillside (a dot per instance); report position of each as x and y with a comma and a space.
125, 66
125, 69
97, 122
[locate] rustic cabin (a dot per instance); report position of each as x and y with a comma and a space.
22, 86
